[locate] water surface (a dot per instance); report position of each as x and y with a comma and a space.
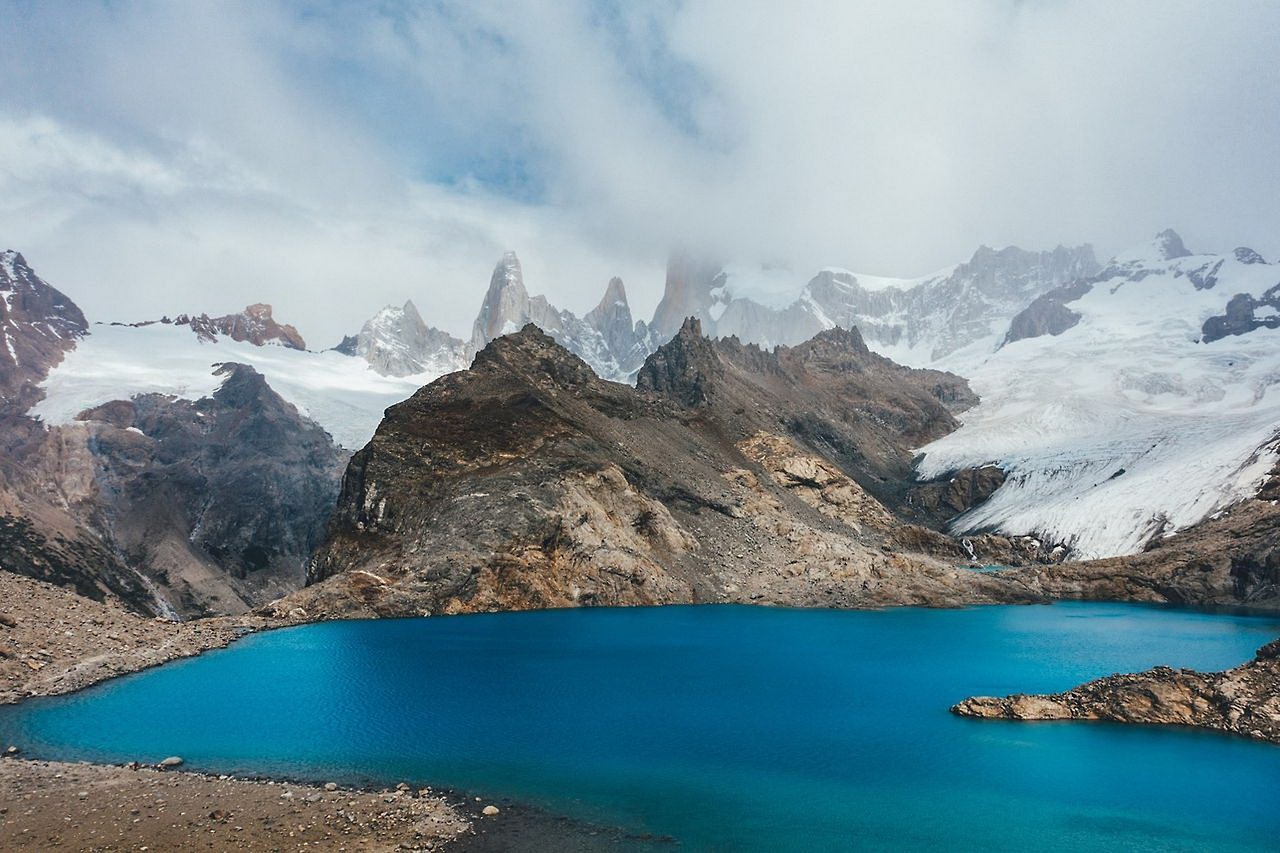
730, 728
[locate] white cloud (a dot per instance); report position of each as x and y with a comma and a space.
159, 157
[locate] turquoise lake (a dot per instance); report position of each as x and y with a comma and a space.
729, 728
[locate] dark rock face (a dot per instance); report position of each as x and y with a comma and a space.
38, 325
1048, 314
686, 369
946, 497
1240, 318
1243, 701
80, 563
347, 346
1170, 245
221, 500
526, 481
1245, 255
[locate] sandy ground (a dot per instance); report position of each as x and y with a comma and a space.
46, 805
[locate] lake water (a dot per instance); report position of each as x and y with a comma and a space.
729, 728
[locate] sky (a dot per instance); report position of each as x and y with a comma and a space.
330, 158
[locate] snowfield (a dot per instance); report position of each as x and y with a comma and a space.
344, 395
1125, 426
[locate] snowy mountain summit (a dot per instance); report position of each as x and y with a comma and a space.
1127, 404
397, 342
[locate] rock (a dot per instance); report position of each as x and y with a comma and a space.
171, 761
331, 786
1243, 701
489, 810
11, 751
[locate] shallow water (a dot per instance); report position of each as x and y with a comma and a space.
730, 728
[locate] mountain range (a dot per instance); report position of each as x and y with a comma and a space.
130, 448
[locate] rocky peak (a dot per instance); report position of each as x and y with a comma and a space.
686, 368
835, 347
1169, 245
613, 301
347, 346
397, 342
253, 325
687, 292
1245, 255
506, 304
612, 319
38, 325
534, 356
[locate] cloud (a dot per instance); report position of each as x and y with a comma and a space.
156, 157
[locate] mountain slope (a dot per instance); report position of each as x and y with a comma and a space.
1147, 405
526, 481
219, 501
38, 325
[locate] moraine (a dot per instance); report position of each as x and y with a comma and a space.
725, 727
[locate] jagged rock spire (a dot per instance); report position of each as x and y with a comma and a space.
684, 369
506, 304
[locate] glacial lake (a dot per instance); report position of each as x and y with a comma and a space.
728, 728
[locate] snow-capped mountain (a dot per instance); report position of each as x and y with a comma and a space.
1127, 404
397, 342
913, 321
605, 338
38, 324
344, 395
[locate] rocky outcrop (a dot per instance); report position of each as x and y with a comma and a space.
686, 369
946, 497
1243, 701
527, 481
38, 325
218, 501
253, 325
1048, 314
1242, 316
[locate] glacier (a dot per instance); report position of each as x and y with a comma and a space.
1129, 425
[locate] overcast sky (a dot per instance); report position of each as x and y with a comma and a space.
158, 157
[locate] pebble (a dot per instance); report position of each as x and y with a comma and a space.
171, 761
331, 786
489, 810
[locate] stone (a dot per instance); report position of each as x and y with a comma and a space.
171, 761
331, 786
489, 810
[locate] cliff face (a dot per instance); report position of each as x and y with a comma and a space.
529, 482
218, 501
1244, 700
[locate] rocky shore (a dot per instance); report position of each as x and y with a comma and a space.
53, 641
1243, 701
101, 807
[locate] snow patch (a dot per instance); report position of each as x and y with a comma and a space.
344, 395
